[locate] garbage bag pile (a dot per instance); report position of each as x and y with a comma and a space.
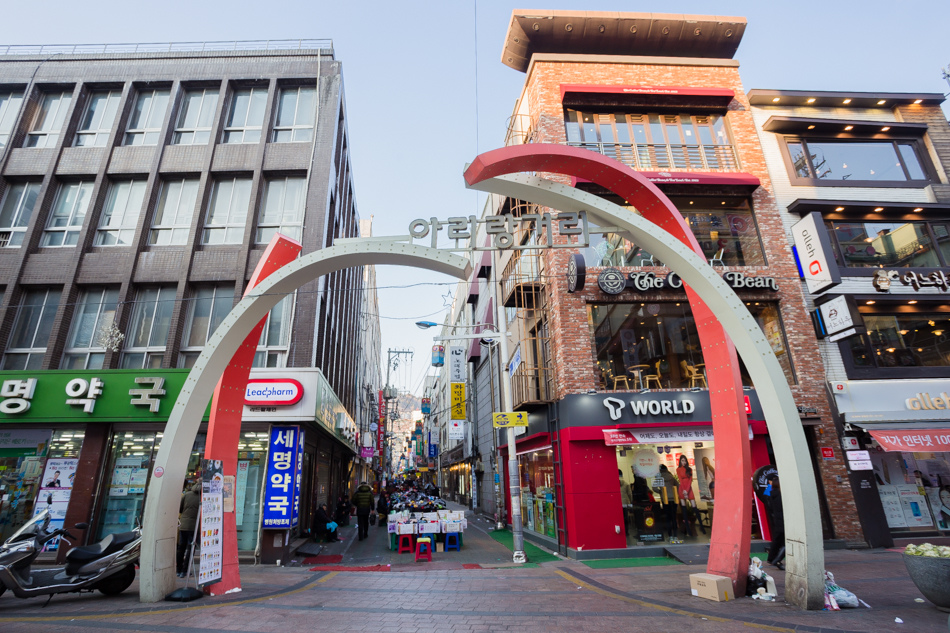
838, 597
931, 551
415, 501
759, 584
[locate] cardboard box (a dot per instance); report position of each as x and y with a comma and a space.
391, 527
711, 587
406, 528
429, 528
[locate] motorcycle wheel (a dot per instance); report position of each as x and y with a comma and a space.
117, 583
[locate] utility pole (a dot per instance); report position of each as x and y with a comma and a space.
392, 360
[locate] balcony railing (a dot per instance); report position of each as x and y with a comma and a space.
531, 386
521, 279
668, 157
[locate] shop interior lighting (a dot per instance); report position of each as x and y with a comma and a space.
848, 128
846, 101
885, 128
839, 208
918, 209
918, 101
878, 209
811, 100
871, 303
938, 332
811, 127
881, 102
776, 99
912, 302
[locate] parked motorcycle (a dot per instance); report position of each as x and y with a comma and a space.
107, 566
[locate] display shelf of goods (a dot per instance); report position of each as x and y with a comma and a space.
929, 568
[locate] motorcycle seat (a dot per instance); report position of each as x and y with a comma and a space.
110, 544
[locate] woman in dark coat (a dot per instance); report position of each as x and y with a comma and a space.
323, 524
343, 510
382, 508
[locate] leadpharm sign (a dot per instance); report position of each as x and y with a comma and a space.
272, 392
812, 247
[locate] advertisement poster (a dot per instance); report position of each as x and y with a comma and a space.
122, 475
240, 490
893, 509
211, 522
705, 472
916, 512
646, 463
56, 488
941, 505
282, 479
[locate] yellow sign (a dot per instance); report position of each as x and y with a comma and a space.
458, 400
423, 469
509, 419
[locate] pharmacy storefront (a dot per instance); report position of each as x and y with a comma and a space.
897, 445
83, 443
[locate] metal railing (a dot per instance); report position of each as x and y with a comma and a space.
654, 157
166, 47
532, 385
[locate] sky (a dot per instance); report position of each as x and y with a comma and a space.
426, 90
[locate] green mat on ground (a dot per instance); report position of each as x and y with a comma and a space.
762, 556
646, 561
534, 554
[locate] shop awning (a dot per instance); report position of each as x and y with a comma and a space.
926, 437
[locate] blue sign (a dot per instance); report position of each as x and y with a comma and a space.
433, 450
282, 482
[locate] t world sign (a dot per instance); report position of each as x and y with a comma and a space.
503, 228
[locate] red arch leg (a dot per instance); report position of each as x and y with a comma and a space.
227, 406
729, 550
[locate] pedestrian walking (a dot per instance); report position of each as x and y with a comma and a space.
776, 515
667, 493
187, 520
363, 500
382, 508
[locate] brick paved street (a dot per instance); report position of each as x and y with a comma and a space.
446, 597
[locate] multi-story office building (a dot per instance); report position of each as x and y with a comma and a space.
661, 94
861, 179
139, 187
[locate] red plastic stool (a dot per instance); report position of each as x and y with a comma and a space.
452, 542
424, 549
405, 544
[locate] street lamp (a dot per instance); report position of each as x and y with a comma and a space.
514, 473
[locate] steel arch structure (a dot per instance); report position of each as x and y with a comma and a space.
159, 525
717, 307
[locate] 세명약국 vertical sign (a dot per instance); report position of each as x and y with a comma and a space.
282, 481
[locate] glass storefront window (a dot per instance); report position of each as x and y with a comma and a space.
888, 244
914, 490
656, 345
131, 460
252, 464
902, 340
537, 492
872, 160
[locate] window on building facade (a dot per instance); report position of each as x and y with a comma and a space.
901, 340
145, 123
656, 345
206, 309
68, 214
10, 102
655, 141
282, 210
95, 314
121, 213
859, 244
144, 345
18, 204
196, 117
724, 227
275, 339
296, 113
227, 213
246, 117
176, 208
98, 118
31, 329
49, 119
874, 161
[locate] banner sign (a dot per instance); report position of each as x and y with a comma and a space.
458, 401
618, 437
433, 450
381, 430
916, 440
813, 252
510, 418
55, 489
282, 482
211, 527
456, 364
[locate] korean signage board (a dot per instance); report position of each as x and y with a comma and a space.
282, 480
627, 437
939, 280
458, 401
838, 318
511, 418
457, 357
276, 395
813, 252
89, 396
913, 440
503, 229
381, 428
621, 408
276, 392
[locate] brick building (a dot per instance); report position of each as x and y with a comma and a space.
662, 94
861, 181
139, 187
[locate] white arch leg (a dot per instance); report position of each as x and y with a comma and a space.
804, 581
159, 525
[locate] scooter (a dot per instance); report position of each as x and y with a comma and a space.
107, 566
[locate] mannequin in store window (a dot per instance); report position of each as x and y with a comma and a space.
687, 499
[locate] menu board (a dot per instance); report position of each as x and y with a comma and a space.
893, 509
211, 522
